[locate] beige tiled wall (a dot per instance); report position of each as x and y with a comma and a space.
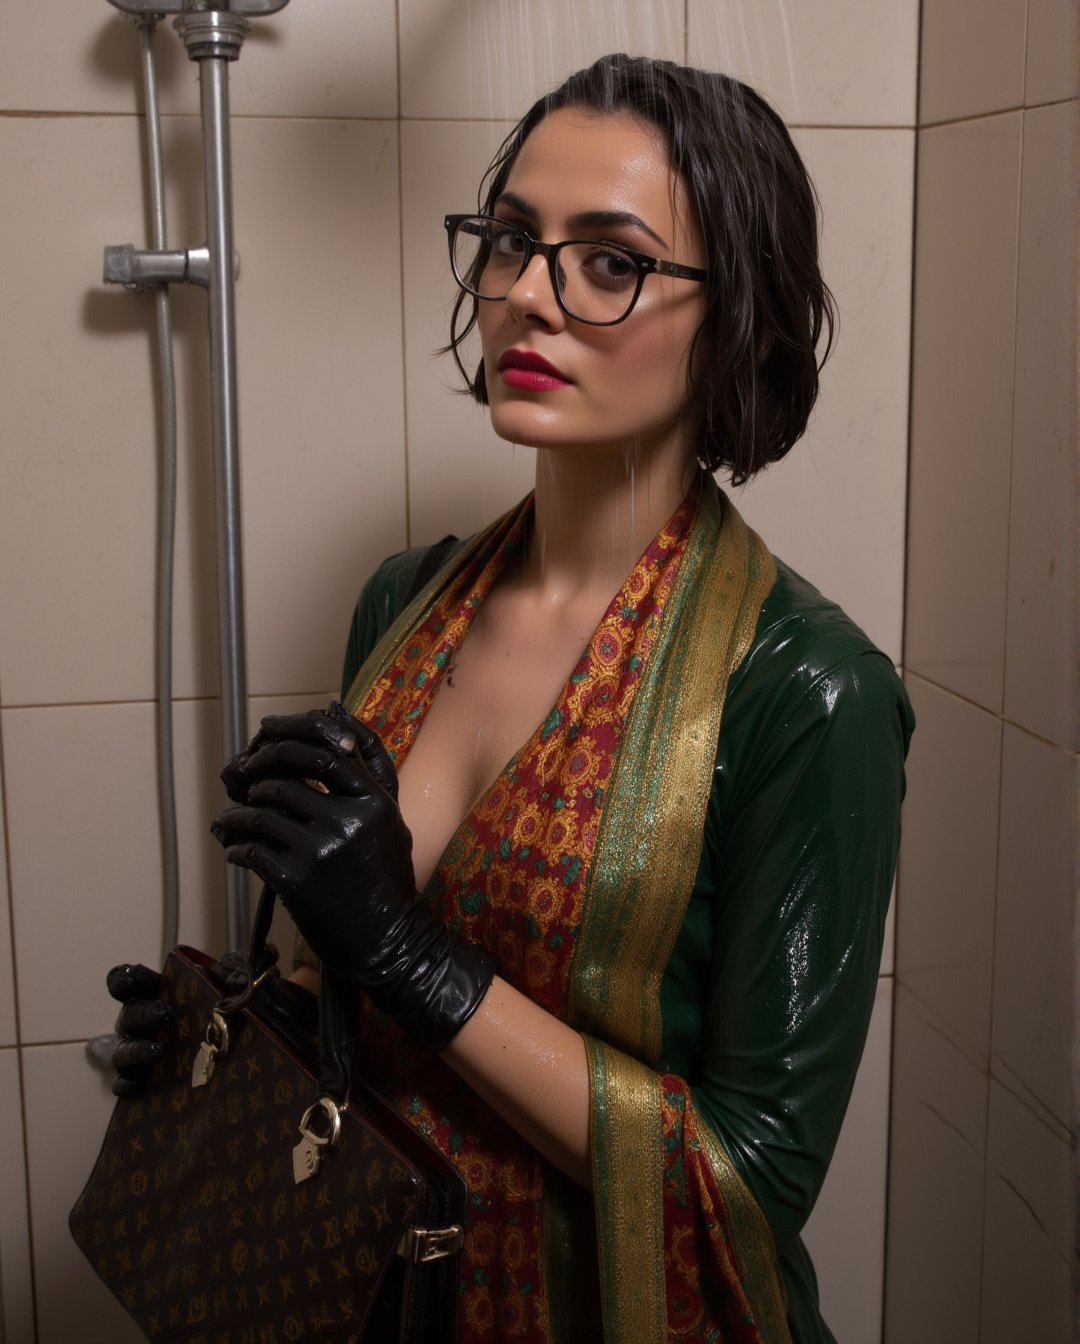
946, 927
15, 1277
981, 1223
962, 359
971, 58
356, 128
1040, 644
1029, 1228
832, 63
850, 470
8, 1023
937, 1168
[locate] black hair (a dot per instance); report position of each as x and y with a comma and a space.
754, 365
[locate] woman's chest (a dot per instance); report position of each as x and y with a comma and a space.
496, 693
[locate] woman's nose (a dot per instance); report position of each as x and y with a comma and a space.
532, 294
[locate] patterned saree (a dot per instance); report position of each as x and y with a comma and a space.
574, 869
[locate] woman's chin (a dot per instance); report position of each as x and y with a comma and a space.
529, 427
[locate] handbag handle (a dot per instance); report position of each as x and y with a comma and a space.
337, 1006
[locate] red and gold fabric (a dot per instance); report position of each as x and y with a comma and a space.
574, 870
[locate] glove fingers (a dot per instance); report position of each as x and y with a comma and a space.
142, 1017
315, 726
133, 981
263, 863
300, 760
374, 755
136, 1055
281, 760
267, 825
130, 1084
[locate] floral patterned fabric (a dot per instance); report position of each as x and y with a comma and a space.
513, 879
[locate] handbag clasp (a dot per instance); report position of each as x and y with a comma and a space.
307, 1155
419, 1245
215, 1046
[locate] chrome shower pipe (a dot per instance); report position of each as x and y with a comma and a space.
213, 39
213, 32
159, 238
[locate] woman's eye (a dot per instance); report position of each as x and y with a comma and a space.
609, 267
507, 242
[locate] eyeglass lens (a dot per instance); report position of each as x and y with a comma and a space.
597, 281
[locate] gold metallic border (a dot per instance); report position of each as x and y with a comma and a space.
649, 844
752, 1241
628, 1173
646, 860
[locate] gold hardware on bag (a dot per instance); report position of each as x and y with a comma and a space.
419, 1245
216, 1043
307, 1155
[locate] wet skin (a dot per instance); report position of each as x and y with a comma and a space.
616, 441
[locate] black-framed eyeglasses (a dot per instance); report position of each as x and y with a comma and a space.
594, 281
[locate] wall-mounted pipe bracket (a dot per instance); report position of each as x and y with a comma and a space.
139, 269
159, 8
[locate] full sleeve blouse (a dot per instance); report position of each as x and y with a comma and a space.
767, 997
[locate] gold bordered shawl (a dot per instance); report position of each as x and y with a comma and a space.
641, 877
640, 882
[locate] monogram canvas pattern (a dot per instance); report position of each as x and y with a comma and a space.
192, 1217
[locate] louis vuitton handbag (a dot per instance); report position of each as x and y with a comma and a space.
260, 1189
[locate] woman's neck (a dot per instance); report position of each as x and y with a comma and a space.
595, 514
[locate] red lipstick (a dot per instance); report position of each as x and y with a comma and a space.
530, 372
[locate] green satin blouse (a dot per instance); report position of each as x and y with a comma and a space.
767, 998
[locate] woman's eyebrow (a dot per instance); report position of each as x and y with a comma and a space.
594, 219
586, 219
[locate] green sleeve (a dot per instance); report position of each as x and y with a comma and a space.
382, 598
768, 997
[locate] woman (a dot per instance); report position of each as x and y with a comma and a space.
617, 914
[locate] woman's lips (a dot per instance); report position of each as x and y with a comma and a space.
530, 372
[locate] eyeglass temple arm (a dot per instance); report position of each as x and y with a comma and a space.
681, 272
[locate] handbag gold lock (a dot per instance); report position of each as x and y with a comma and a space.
308, 1153
215, 1044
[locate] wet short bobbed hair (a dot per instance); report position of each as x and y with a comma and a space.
754, 365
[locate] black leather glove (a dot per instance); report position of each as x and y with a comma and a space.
141, 1020
305, 746
341, 861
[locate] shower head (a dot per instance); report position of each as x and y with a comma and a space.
153, 8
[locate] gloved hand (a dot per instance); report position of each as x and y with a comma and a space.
341, 861
305, 746
142, 1018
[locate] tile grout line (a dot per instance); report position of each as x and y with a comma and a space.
1001, 753
401, 277
1010, 1081
1001, 712
1063, 101
22, 114
899, 876
934, 1021
1002, 718
4, 822
990, 1032
1012, 415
